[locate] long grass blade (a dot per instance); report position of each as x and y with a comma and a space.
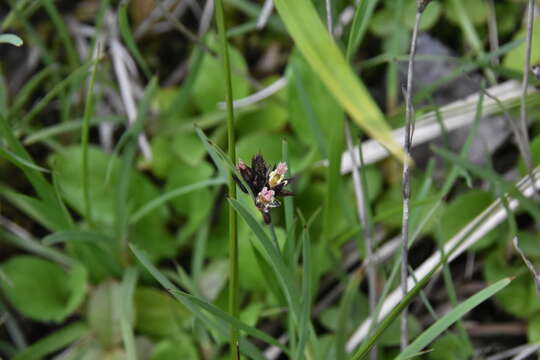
311, 37
449, 319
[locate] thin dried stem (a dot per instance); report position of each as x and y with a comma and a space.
361, 193
264, 16
409, 128
530, 266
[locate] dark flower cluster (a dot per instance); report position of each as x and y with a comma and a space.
265, 184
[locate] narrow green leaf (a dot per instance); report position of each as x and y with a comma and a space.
195, 305
362, 15
71, 79
85, 134
37, 209
62, 31
34, 247
54, 342
19, 161
273, 255
168, 196
311, 37
25, 93
127, 36
494, 178
304, 322
449, 319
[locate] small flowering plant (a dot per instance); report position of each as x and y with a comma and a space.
265, 184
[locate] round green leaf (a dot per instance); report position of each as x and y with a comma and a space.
476, 9
181, 347
515, 58
519, 297
449, 347
158, 314
43, 290
209, 87
461, 211
429, 18
150, 233
535, 154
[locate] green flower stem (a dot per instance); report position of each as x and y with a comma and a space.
234, 289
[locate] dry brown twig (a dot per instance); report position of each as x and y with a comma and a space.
409, 130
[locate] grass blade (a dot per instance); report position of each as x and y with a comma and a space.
34, 247
362, 15
168, 196
125, 301
304, 322
195, 305
19, 161
449, 319
273, 255
127, 36
54, 342
311, 37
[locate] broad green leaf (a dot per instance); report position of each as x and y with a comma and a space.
460, 211
520, 297
430, 16
449, 347
195, 205
42, 290
535, 154
158, 314
273, 255
208, 88
270, 116
95, 250
53, 342
268, 144
323, 54
179, 347
251, 313
391, 337
11, 39
104, 175
515, 58
477, 10
388, 208
449, 319
171, 151
198, 307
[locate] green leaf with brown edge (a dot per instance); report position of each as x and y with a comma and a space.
323, 54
